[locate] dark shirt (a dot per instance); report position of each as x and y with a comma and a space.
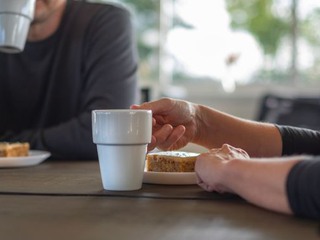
48, 91
303, 182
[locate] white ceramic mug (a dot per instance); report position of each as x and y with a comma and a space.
15, 19
121, 136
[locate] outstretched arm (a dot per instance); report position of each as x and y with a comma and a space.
217, 128
259, 181
178, 122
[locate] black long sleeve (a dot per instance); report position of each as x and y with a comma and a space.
303, 181
303, 188
299, 141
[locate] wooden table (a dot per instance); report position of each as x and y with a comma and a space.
65, 200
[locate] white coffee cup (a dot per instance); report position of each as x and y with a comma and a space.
15, 19
122, 136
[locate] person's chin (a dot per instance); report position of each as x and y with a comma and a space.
37, 20
40, 15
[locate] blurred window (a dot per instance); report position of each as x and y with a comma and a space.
228, 44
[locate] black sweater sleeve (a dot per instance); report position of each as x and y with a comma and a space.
299, 141
303, 188
303, 181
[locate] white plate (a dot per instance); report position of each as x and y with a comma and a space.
170, 178
35, 157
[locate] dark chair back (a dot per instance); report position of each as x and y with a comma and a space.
293, 111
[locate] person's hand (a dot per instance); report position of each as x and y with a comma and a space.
174, 123
210, 167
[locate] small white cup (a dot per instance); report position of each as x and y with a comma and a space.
122, 136
15, 19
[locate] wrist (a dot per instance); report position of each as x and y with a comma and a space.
232, 173
201, 125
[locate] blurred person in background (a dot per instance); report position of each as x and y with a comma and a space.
78, 57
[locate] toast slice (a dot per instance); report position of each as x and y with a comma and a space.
171, 161
16, 149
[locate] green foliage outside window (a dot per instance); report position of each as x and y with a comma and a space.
258, 17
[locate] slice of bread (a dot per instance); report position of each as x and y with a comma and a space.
17, 149
171, 161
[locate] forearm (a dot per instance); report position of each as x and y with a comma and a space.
261, 181
217, 128
68, 140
